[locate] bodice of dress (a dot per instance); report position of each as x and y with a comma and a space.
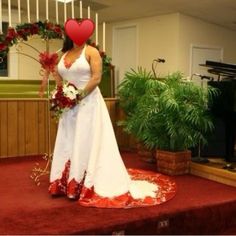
78, 73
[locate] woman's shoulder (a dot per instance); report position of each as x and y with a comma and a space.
60, 54
92, 50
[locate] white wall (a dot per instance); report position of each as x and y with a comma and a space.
29, 68
193, 31
157, 38
166, 36
24, 67
171, 36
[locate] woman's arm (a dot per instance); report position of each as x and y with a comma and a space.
95, 62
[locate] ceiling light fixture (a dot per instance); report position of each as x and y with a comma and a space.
64, 1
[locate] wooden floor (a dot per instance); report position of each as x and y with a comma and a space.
216, 169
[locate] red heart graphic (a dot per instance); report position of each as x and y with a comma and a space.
79, 32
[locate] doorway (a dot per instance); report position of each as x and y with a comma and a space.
124, 51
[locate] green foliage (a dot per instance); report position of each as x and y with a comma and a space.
167, 113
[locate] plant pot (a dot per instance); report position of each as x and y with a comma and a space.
146, 154
173, 163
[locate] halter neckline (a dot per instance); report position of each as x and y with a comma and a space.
68, 64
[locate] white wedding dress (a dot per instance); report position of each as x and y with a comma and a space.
86, 152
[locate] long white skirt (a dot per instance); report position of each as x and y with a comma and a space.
86, 139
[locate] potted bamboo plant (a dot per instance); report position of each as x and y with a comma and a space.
168, 114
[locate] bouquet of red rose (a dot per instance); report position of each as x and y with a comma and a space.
48, 60
64, 98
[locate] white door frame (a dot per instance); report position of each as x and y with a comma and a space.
193, 46
123, 26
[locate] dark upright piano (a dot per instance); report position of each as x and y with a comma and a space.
224, 109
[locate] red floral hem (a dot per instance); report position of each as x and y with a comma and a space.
166, 191
89, 198
59, 186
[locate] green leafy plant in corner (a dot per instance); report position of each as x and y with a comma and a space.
168, 113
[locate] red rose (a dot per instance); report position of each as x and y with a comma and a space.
3, 47
48, 61
49, 26
34, 29
57, 29
102, 54
21, 33
11, 34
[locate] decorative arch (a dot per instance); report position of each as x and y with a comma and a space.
46, 30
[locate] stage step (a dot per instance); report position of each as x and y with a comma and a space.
215, 170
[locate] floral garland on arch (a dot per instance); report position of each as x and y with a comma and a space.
46, 30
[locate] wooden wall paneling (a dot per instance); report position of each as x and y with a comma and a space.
21, 128
42, 127
132, 143
31, 127
24, 127
12, 135
114, 114
122, 137
111, 107
53, 129
125, 141
47, 129
50, 129
4, 128
0, 129
53, 132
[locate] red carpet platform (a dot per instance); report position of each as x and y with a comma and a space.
200, 207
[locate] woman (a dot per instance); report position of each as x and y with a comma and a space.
86, 161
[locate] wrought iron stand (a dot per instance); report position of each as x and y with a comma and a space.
38, 171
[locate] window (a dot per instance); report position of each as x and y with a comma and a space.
4, 59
